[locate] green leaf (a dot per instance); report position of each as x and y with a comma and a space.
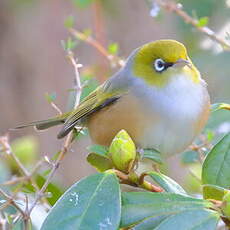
83, 3
213, 192
189, 157
92, 203
168, 184
69, 44
219, 106
50, 97
100, 162
55, 190
69, 22
203, 21
200, 219
215, 169
99, 149
137, 206
153, 155
113, 48
186, 220
150, 223
26, 150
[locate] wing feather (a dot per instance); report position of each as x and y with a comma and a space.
98, 99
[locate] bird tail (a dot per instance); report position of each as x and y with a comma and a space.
45, 124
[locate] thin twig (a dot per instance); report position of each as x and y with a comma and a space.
16, 180
56, 108
4, 140
177, 9
68, 139
94, 43
77, 80
11, 201
27, 219
134, 180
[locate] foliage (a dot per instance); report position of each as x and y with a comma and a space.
98, 201
145, 210
101, 201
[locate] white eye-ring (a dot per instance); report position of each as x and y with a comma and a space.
159, 65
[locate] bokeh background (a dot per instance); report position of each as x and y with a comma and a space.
33, 62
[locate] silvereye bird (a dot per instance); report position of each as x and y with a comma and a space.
158, 97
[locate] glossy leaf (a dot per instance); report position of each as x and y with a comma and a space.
99, 158
150, 223
92, 203
99, 149
153, 155
168, 184
100, 162
216, 168
200, 219
213, 192
137, 206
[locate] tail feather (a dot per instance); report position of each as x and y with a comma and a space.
45, 124
41, 125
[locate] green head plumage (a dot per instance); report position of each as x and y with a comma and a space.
157, 62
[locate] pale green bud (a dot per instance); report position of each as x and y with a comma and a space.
123, 152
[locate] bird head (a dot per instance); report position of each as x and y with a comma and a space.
161, 61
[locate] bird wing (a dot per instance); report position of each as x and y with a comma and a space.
98, 99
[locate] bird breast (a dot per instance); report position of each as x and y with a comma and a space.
179, 111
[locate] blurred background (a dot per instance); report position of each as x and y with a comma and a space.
33, 62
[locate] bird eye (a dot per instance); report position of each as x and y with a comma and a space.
159, 65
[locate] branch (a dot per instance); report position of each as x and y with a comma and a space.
177, 9
11, 201
68, 139
134, 180
56, 108
113, 59
4, 140
77, 80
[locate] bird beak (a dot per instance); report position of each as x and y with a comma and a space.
181, 63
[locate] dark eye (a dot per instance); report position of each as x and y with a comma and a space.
159, 65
